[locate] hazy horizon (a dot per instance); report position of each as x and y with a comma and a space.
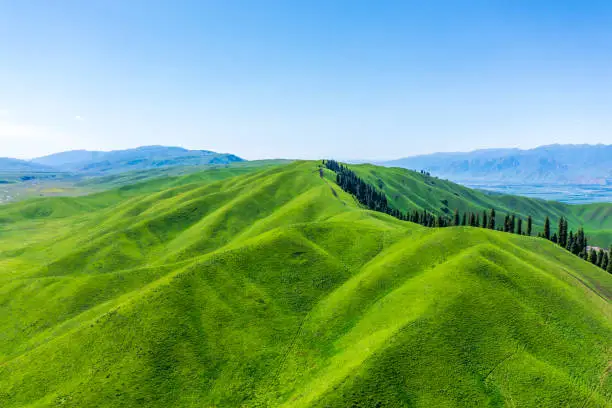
354, 159
350, 80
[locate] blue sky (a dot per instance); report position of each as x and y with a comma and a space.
263, 79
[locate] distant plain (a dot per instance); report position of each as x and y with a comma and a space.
564, 193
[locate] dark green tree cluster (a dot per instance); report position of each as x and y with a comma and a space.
562, 236
376, 200
366, 194
576, 243
471, 219
427, 219
600, 257
512, 224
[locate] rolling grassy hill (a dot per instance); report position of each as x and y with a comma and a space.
79, 172
68, 184
172, 176
409, 190
274, 288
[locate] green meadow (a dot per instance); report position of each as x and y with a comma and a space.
269, 286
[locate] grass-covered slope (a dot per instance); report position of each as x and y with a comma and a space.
408, 190
109, 190
21, 186
275, 289
167, 176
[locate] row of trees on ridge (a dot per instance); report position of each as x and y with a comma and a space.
376, 200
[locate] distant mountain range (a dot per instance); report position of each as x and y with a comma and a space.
554, 164
14, 165
117, 161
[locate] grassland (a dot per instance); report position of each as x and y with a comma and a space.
274, 288
27, 185
407, 190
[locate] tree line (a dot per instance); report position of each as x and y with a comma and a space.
373, 199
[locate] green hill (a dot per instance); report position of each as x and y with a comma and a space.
274, 288
18, 187
408, 190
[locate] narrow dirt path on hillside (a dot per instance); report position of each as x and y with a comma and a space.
503, 360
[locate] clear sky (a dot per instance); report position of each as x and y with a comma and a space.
303, 79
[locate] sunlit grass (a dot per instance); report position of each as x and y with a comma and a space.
273, 288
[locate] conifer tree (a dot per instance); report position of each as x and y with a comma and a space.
529, 225
563, 232
513, 224
547, 228
578, 242
610, 260
570, 241
485, 221
604, 263
592, 258
519, 227
456, 218
492, 219
366, 194
600, 257
464, 220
